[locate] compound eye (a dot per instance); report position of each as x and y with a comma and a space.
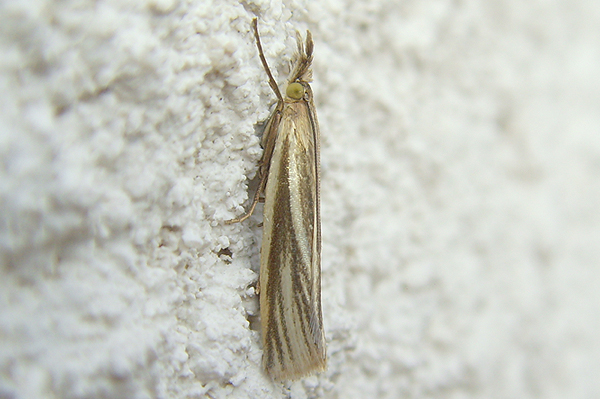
295, 91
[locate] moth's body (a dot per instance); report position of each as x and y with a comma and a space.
290, 275
290, 265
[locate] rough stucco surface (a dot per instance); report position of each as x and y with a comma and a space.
460, 192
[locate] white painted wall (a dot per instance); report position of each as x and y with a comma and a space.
460, 184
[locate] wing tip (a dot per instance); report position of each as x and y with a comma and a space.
280, 372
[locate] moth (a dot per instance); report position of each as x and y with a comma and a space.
290, 267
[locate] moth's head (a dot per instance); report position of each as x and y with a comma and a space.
295, 91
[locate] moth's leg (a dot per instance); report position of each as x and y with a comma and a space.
261, 186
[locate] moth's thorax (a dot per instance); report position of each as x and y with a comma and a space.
288, 100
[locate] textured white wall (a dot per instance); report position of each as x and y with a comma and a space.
460, 181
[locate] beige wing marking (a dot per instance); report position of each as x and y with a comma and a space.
290, 261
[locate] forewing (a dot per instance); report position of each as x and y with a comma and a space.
290, 272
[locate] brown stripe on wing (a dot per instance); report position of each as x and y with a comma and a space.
291, 257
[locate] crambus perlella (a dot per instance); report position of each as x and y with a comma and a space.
290, 266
